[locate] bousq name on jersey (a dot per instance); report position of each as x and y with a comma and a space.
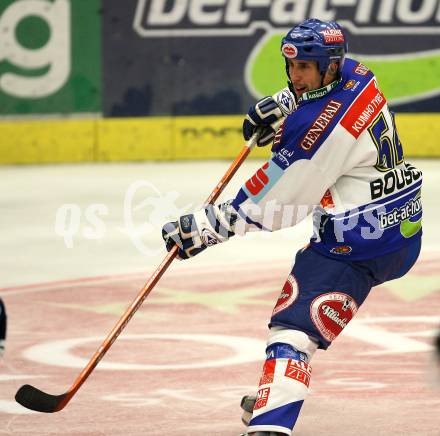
209, 18
396, 216
393, 181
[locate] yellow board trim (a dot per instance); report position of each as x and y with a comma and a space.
419, 134
42, 141
163, 138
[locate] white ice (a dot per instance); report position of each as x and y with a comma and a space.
42, 240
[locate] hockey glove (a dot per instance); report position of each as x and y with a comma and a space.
193, 233
268, 114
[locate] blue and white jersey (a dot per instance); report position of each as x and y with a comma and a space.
338, 156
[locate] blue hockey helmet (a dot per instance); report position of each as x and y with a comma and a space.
315, 40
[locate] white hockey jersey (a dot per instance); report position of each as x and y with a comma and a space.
338, 155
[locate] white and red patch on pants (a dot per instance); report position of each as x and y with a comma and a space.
288, 295
331, 312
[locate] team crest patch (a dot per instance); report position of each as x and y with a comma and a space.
349, 84
342, 249
288, 295
331, 313
327, 200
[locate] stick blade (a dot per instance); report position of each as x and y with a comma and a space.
34, 399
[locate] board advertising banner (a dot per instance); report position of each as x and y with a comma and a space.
50, 57
169, 73
199, 57
164, 78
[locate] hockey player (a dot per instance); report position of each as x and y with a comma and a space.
339, 155
2, 327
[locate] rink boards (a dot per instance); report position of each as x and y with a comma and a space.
95, 139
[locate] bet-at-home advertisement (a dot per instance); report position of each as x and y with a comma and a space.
160, 79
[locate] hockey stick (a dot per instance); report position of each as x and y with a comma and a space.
35, 399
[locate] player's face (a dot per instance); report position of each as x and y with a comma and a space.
304, 76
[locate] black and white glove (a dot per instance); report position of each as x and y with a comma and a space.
268, 114
195, 232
